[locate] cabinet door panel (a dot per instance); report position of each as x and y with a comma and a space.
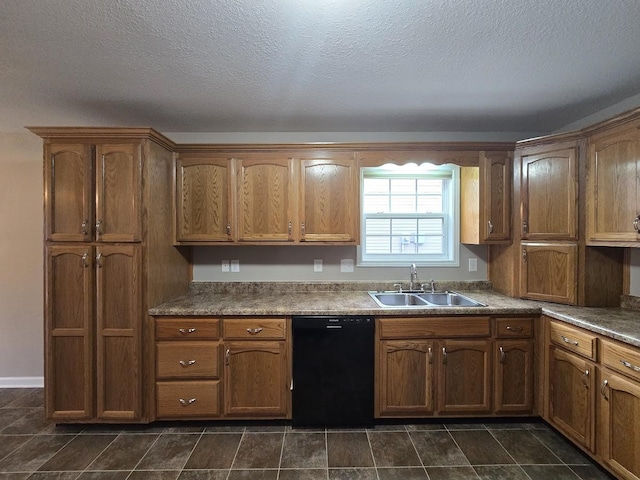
549, 272
68, 193
204, 194
405, 372
328, 199
496, 167
118, 193
69, 332
465, 376
549, 195
514, 376
265, 199
571, 396
620, 415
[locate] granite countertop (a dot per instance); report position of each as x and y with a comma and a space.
331, 299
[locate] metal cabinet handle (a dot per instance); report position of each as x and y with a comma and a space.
186, 363
226, 356
502, 354
186, 331
84, 227
490, 226
228, 229
636, 223
524, 255
98, 227
430, 355
570, 342
99, 260
633, 367
585, 377
444, 355
290, 228
514, 329
186, 403
291, 385
603, 389
254, 331
525, 226
85, 257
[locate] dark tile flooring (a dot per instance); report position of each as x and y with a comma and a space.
32, 448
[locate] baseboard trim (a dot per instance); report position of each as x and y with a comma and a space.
21, 382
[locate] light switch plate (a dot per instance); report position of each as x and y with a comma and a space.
225, 265
317, 265
346, 265
473, 264
235, 265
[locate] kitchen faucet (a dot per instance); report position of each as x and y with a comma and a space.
414, 276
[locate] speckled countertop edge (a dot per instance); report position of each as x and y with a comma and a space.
289, 298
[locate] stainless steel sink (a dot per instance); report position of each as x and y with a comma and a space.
422, 300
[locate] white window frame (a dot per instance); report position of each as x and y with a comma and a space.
451, 199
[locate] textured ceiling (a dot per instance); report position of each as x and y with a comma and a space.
316, 65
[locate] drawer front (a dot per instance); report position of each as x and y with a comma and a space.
514, 327
408, 327
187, 328
621, 358
254, 328
578, 341
188, 399
187, 360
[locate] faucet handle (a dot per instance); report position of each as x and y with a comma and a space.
398, 286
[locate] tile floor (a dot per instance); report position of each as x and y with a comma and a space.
32, 448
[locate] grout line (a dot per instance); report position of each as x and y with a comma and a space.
144, 455
244, 431
284, 438
417, 453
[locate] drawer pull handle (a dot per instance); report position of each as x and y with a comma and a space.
254, 331
630, 365
636, 220
502, 354
227, 355
186, 331
566, 340
186, 363
430, 353
585, 379
186, 403
490, 224
603, 389
444, 355
514, 329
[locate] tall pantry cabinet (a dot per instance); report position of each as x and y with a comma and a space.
108, 258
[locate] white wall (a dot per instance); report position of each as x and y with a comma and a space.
21, 260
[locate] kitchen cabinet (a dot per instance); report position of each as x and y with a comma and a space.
514, 360
105, 264
257, 370
548, 272
549, 194
485, 199
205, 198
613, 214
571, 390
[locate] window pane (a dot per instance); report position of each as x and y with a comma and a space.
376, 204
432, 245
430, 186
377, 245
403, 185
403, 204
431, 226
376, 185
378, 226
429, 204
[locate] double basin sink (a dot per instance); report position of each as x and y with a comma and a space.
422, 299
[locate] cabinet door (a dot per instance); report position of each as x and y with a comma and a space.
513, 385
405, 378
619, 420
464, 382
68, 198
571, 396
265, 199
328, 202
204, 206
613, 185
549, 196
256, 379
549, 272
118, 193
69, 332
495, 196
118, 321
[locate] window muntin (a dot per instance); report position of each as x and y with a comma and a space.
409, 213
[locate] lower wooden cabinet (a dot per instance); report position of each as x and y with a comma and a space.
513, 384
188, 399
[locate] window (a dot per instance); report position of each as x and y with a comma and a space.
409, 214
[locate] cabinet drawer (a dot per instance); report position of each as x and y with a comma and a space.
620, 358
188, 399
187, 360
254, 328
514, 327
578, 341
408, 327
187, 328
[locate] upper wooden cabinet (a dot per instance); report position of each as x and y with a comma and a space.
549, 272
272, 197
93, 192
485, 199
549, 194
613, 214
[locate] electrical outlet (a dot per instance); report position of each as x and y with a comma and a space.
225, 265
473, 264
346, 265
235, 266
317, 265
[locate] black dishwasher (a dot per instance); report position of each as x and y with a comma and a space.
333, 370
